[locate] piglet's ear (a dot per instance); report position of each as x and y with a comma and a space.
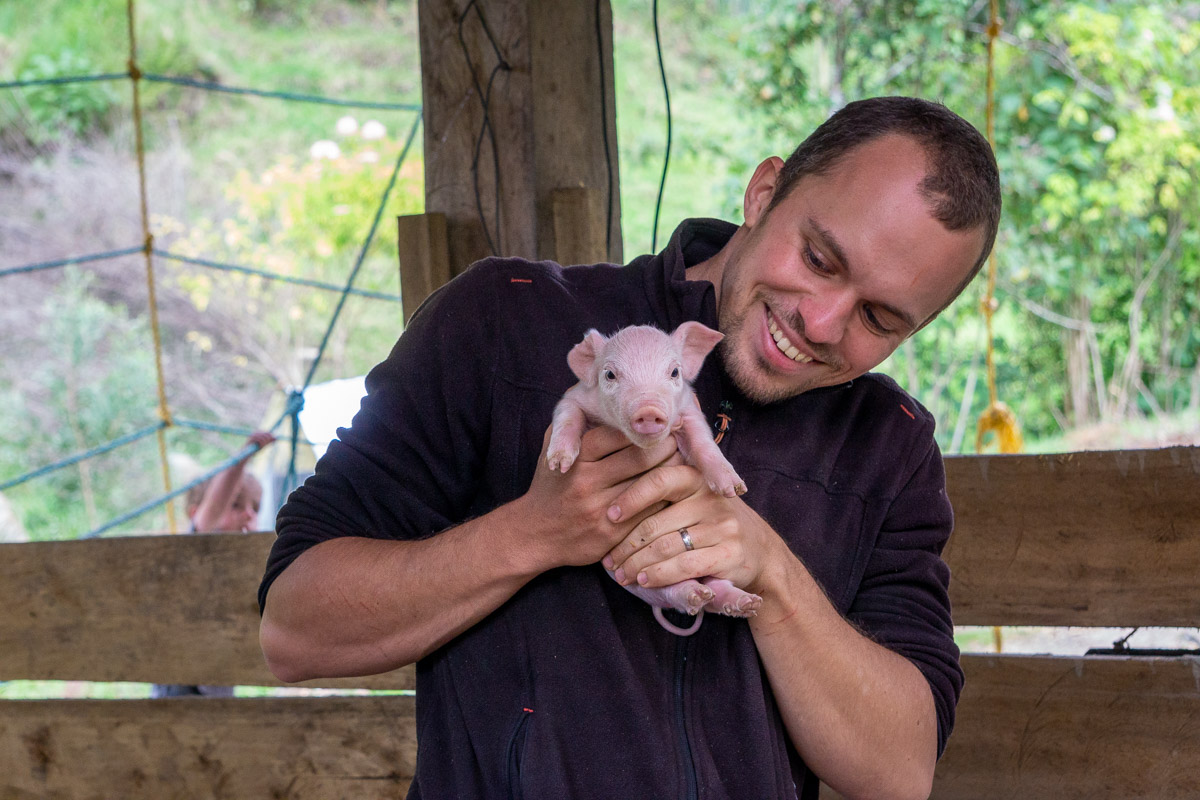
582, 358
695, 341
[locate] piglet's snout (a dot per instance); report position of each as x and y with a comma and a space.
649, 420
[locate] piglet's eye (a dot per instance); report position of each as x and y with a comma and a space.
610, 375
675, 372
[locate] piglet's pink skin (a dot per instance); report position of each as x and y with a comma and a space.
639, 381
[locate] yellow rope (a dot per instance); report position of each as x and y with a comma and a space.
998, 418
164, 411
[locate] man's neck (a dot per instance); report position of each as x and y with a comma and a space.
710, 270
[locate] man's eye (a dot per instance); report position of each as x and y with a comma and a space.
874, 322
814, 261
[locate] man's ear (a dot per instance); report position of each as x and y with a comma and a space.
696, 341
761, 189
582, 358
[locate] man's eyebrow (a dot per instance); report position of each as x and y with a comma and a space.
829, 242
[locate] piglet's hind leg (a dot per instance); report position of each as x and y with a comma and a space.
730, 600
688, 597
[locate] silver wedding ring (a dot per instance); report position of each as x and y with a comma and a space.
687, 539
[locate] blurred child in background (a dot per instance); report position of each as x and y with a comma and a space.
228, 502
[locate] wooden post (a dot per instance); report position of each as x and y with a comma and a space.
547, 80
424, 258
578, 239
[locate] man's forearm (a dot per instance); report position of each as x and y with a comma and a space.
861, 716
356, 606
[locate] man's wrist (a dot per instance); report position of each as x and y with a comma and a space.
521, 541
785, 584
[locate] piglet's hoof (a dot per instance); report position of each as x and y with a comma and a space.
745, 606
696, 599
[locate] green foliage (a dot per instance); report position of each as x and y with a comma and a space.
55, 109
305, 217
1097, 120
96, 385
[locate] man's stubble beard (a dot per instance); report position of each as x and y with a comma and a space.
746, 369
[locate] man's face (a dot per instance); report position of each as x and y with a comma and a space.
827, 284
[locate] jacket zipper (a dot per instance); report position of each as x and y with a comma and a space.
514, 754
691, 791
685, 745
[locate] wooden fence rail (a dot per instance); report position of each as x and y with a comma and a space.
1100, 539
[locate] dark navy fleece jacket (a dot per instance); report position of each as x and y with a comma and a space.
571, 689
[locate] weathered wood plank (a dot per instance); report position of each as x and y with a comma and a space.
163, 609
305, 748
577, 240
1064, 728
547, 121
1102, 539
454, 120
1088, 539
1028, 727
424, 258
571, 126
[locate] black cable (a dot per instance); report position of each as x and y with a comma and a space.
667, 157
486, 126
608, 204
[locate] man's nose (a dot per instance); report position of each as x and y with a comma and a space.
827, 315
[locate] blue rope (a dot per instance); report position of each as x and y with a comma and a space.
329, 287
296, 405
108, 76
245, 452
315, 284
95, 451
213, 87
199, 425
62, 262
303, 98
362, 254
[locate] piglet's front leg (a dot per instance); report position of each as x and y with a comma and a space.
699, 449
566, 432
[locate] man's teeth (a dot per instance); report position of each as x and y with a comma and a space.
786, 347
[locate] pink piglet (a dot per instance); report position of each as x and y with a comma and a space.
639, 381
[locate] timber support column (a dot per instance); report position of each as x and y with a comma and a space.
536, 174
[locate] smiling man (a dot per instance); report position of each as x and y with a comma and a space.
433, 531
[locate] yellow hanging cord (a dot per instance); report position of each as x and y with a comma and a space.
998, 418
164, 411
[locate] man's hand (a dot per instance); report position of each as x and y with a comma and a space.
569, 512
730, 540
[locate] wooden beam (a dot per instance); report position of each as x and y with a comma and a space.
161, 609
538, 67
1038, 728
1104, 539
1042, 728
577, 240
1109, 539
301, 748
424, 258
572, 123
